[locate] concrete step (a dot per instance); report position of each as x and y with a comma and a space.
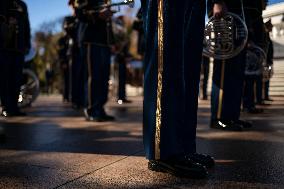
277, 81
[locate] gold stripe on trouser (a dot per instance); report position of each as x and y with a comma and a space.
89, 62
160, 78
221, 91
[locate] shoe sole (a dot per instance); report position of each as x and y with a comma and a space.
166, 169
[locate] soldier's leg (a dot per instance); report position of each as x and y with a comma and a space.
3, 79
166, 127
121, 80
266, 90
106, 60
248, 96
227, 90
17, 61
205, 78
233, 88
217, 87
93, 58
192, 63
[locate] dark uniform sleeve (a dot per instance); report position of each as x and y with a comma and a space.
84, 14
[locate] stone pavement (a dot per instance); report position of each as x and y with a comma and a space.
54, 147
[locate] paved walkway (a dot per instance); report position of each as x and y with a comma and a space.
55, 148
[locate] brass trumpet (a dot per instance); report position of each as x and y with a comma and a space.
81, 4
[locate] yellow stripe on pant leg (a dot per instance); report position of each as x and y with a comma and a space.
160, 79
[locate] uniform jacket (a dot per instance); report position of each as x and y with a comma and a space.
16, 29
96, 30
252, 16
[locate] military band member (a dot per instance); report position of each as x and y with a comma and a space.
138, 26
173, 37
256, 37
78, 68
96, 39
228, 77
13, 46
64, 65
122, 56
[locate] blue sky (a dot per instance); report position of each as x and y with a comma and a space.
276, 1
46, 10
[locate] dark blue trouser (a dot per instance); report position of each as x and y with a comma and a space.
266, 90
259, 88
121, 80
66, 80
205, 67
231, 76
249, 94
11, 68
183, 36
98, 62
79, 78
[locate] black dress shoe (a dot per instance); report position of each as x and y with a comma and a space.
245, 124
12, 114
226, 125
103, 118
202, 159
98, 118
179, 167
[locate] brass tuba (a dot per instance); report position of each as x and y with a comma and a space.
255, 58
225, 37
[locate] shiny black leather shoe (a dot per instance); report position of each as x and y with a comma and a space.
103, 118
180, 168
226, 125
202, 159
245, 124
98, 118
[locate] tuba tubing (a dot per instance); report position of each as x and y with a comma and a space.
224, 38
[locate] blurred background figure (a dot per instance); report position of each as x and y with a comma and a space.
229, 77
64, 65
97, 40
122, 57
269, 59
77, 68
14, 44
138, 26
254, 66
49, 76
